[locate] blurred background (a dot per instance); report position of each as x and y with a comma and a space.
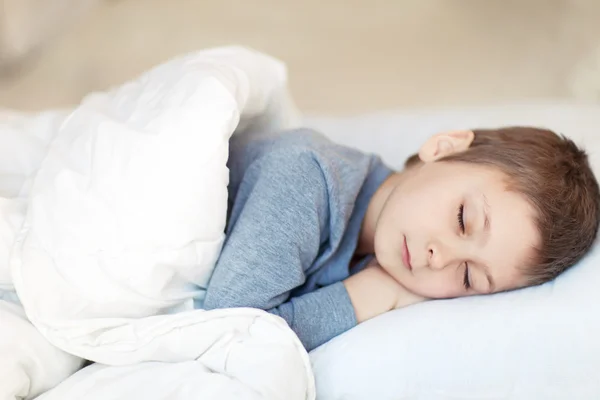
344, 56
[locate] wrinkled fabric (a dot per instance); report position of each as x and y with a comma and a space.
117, 217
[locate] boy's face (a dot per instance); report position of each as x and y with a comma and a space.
450, 229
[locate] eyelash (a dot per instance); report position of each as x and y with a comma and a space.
460, 216
466, 281
461, 224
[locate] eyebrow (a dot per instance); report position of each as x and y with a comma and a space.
486, 216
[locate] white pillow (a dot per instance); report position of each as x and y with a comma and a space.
536, 343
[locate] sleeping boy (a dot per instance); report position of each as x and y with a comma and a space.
327, 237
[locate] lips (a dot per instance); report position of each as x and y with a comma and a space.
406, 256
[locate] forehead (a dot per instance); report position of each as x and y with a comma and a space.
513, 233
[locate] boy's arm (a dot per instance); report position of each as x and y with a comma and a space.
274, 234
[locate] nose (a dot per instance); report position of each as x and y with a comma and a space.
438, 256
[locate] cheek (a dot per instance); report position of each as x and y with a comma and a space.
423, 203
388, 244
389, 218
419, 216
433, 285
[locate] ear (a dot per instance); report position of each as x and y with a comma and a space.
445, 144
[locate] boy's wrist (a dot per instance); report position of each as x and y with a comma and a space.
371, 293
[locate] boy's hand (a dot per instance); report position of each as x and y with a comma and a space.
373, 291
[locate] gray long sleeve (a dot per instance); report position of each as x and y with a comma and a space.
296, 206
274, 236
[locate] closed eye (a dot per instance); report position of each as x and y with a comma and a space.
461, 219
466, 280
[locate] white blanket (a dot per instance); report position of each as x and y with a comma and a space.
112, 219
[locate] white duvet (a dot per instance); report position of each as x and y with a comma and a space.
112, 217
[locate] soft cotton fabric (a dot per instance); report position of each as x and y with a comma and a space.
115, 217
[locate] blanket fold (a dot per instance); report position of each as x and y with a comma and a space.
122, 219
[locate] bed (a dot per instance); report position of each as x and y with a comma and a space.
105, 245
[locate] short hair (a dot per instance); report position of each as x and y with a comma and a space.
555, 177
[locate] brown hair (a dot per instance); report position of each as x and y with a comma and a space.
555, 176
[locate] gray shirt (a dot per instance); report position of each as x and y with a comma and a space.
296, 205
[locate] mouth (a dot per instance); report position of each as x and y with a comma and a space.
406, 256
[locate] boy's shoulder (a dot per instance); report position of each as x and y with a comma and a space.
288, 145
297, 152
300, 139
287, 150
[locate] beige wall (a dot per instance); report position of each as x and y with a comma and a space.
344, 55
